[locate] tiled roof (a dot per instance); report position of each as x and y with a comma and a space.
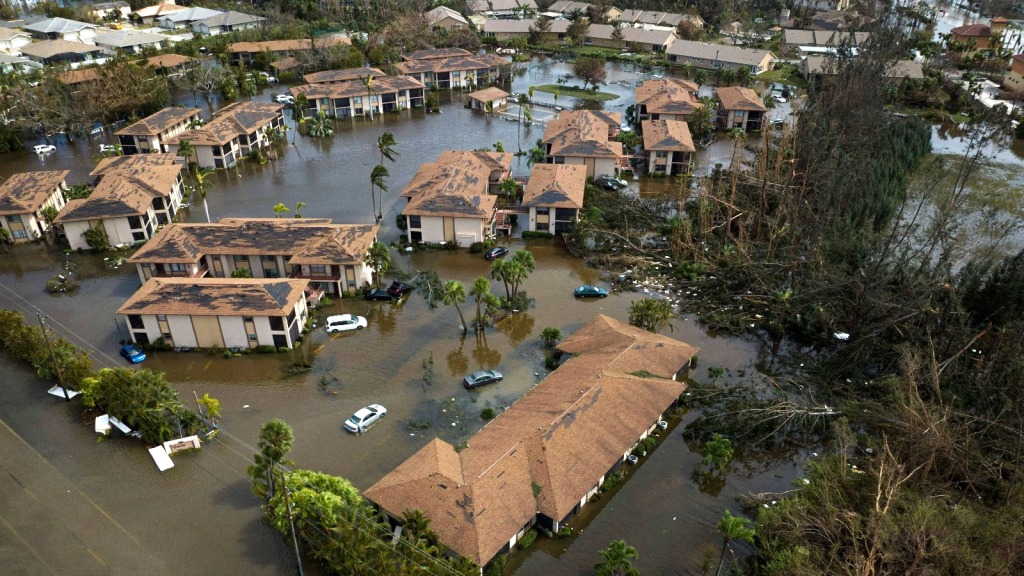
583, 133
668, 96
168, 60
556, 186
286, 45
549, 449
127, 187
303, 240
26, 192
230, 122
740, 98
667, 135
972, 31
343, 75
485, 61
435, 53
216, 297
154, 124
350, 88
50, 48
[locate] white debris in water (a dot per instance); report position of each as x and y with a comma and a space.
841, 336
246, 406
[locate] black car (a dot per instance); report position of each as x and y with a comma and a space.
399, 289
495, 253
377, 294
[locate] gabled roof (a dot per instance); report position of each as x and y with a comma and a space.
57, 26
499, 163
435, 53
343, 75
456, 185
739, 98
667, 135
230, 122
50, 48
10, 33
79, 76
449, 64
583, 133
350, 88
168, 60
216, 297
157, 10
127, 187
631, 34
294, 45
441, 12
189, 15
563, 6
556, 186
229, 18
668, 96
972, 31
303, 240
720, 52
126, 38
498, 5
26, 192
490, 93
545, 452
154, 124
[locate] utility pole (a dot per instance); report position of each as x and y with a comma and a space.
53, 357
291, 520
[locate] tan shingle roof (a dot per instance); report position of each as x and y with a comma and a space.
486, 61
50, 48
127, 187
631, 34
556, 186
26, 192
583, 133
492, 93
456, 185
350, 88
216, 297
441, 12
296, 45
668, 96
168, 60
154, 124
668, 135
561, 437
230, 122
723, 53
342, 75
79, 76
740, 98
436, 53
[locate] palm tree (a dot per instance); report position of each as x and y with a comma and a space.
386, 145
651, 314
370, 91
453, 294
508, 187
687, 69
481, 290
276, 439
417, 526
201, 174
523, 264
536, 155
733, 528
378, 257
186, 150
616, 561
377, 181
524, 112
500, 271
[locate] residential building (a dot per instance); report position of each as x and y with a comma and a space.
715, 56
976, 36
170, 64
666, 99
17, 65
24, 197
147, 135
585, 137
80, 79
634, 39
554, 196
245, 52
351, 98
501, 7
134, 195
543, 458
448, 68
444, 18
233, 132
330, 257
792, 40
11, 40
669, 147
151, 14
504, 30
184, 18
739, 107
229, 21
1013, 80
64, 53
111, 10
838, 19
569, 8
488, 99
217, 312
816, 66
660, 19
449, 199
62, 29
345, 75
131, 41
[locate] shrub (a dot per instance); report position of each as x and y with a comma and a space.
528, 234
488, 413
527, 539
564, 531
611, 481
264, 349
476, 247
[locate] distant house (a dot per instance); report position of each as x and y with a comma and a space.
444, 18
633, 39
793, 40
169, 64
817, 66
669, 147
134, 195
229, 21
544, 457
17, 64
448, 200
504, 30
217, 312
24, 196
448, 68
345, 75
64, 52
62, 29
666, 99
714, 56
151, 14
148, 135
11, 40
184, 18
245, 52
350, 98
488, 99
233, 132
111, 10
554, 196
1014, 79
80, 79
585, 137
502, 7
739, 107
979, 36
656, 18
569, 7
837, 19
330, 257
131, 41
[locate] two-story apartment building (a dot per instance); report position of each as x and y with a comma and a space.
739, 107
449, 68
149, 134
245, 52
348, 98
330, 257
231, 134
585, 137
24, 197
554, 197
666, 99
217, 312
505, 30
133, 195
669, 147
715, 56
634, 38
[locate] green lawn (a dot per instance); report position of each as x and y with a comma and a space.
786, 74
575, 92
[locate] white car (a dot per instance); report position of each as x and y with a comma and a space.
284, 99
779, 98
108, 148
44, 148
364, 418
345, 322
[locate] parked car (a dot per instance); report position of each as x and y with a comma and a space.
377, 294
133, 353
44, 148
481, 377
495, 253
779, 97
344, 323
611, 183
777, 122
364, 418
588, 291
284, 99
268, 78
104, 148
399, 289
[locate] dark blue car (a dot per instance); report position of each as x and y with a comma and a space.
133, 353
588, 291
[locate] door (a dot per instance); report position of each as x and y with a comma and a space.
449, 229
207, 329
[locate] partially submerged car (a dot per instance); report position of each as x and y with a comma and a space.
481, 377
399, 289
132, 353
611, 183
377, 294
589, 291
364, 418
44, 148
344, 323
495, 253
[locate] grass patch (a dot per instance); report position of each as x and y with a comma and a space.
576, 92
785, 74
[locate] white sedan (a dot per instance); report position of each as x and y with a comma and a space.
44, 148
344, 323
364, 418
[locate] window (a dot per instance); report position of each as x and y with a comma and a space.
161, 317
661, 154
14, 218
276, 323
135, 321
542, 211
241, 262
138, 236
217, 151
317, 270
134, 222
178, 267
19, 234
542, 226
414, 222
